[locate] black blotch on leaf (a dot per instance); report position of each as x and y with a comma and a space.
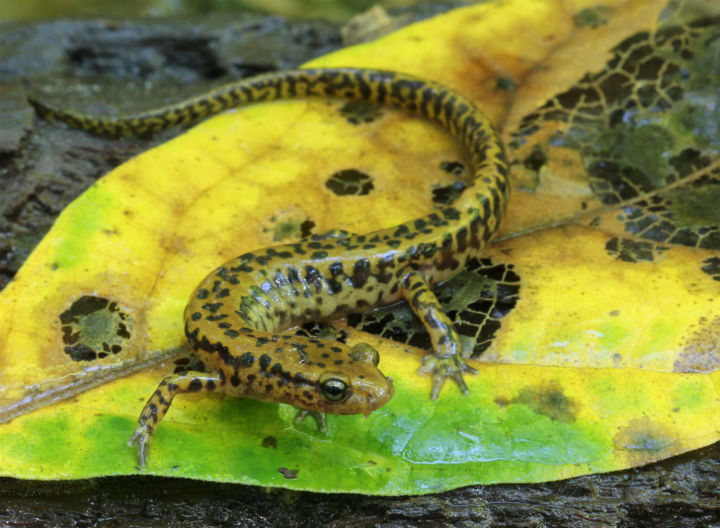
629, 250
453, 167
306, 228
475, 300
447, 194
350, 182
711, 266
93, 328
357, 112
322, 331
270, 441
289, 473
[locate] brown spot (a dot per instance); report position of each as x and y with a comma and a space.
289, 473
702, 349
643, 440
549, 400
94, 327
270, 441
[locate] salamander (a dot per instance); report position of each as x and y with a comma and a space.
238, 318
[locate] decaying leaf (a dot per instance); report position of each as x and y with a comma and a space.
593, 320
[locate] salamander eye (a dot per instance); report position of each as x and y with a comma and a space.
364, 352
334, 389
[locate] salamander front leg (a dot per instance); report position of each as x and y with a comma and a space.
446, 361
319, 418
160, 401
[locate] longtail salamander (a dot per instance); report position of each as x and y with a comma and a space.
237, 318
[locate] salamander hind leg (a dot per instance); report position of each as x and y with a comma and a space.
160, 401
446, 361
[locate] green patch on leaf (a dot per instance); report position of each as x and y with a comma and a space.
548, 400
696, 207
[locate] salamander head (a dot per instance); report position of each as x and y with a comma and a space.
346, 382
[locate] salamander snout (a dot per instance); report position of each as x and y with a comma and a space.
360, 389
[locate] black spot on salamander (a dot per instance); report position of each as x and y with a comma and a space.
386, 263
487, 235
234, 380
153, 411
336, 349
336, 270
319, 255
202, 293
313, 313
361, 270
428, 250
264, 362
308, 395
447, 256
224, 326
313, 277
416, 285
247, 360
251, 378
210, 385
226, 276
261, 341
299, 379
218, 317
161, 398
416, 300
276, 368
401, 231
222, 293
231, 333
280, 280
461, 237
242, 267
212, 307
420, 224
325, 355
431, 321
339, 362
268, 387
450, 213
195, 385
